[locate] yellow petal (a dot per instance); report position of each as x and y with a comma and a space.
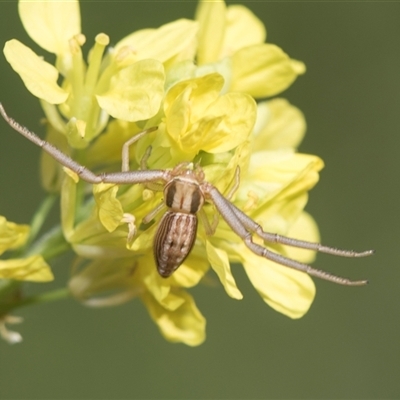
109, 208
227, 123
12, 235
211, 15
179, 72
163, 43
198, 119
243, 29
185, 324
276, 175
304, 228
261, 70
280, 213
222, 67
192, 270
108, 145
202, 91
171, 302
178, 114
287, 291
32, 268
160, 288
306, 176
135, 92
279, 125
39, 76
51, 23
220, 264
220, 168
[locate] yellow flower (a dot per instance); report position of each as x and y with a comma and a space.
198, 118
275, 180
171, 43
127, 82
231, 41
79, 108
225, 131
32, 268
196, 82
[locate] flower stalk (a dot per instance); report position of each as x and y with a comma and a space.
47, 297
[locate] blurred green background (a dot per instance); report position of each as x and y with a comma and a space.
348, 345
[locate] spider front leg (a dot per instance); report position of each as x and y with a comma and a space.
125, 157
241, 224
124, 177
130, 142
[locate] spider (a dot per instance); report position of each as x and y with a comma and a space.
185, 192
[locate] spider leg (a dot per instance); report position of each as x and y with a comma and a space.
275, 238
146, 155
253, 226
128, 143
155, 187
236, 184
230, 215
84, 173
211, 228
148, 217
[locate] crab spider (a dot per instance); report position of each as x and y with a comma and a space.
185, 192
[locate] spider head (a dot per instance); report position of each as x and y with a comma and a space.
183, 193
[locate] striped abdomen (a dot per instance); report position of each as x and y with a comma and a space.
174, 240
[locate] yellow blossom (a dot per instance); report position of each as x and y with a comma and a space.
231, 41
32, 268
195, 83
170, 44
51, 24
275, 175
39, 76
12, 235
198, 119
88, 93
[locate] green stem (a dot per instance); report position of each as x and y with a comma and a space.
39, 217
35, 225
54, 295
51, 244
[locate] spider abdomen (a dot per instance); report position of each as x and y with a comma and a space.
173, 241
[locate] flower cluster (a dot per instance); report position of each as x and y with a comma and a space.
198, 81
